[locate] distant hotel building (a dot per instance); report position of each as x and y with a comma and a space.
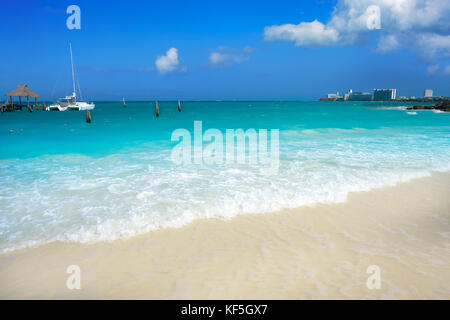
384, 94
333, 95
358, 96
428, 93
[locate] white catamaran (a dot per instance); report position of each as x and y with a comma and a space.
70, 102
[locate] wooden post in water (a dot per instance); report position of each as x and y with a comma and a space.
35, 103
44, 107
88, 116
179, 106
28, 105
11, 104
157, 109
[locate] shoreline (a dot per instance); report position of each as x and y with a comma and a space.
319, 252
34, 244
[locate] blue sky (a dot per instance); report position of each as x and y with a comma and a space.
222, 49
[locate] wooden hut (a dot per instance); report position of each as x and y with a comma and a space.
22, 90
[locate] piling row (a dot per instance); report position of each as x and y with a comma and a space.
10, 107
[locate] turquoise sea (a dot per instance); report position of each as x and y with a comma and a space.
62, 179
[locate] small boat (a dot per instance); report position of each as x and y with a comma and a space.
70, 102
124, 104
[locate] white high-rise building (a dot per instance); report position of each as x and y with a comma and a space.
384, 94
428, 93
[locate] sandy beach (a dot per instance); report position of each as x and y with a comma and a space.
319, 252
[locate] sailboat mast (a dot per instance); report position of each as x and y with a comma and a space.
71, 62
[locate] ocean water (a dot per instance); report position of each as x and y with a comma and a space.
62, 179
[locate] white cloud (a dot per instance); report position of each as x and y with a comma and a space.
303, 34
169, 62
388, 43
422, 25
433, 45
225, 56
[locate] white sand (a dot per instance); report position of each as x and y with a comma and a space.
317, 252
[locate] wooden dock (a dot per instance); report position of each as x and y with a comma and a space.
7, 107
22, 91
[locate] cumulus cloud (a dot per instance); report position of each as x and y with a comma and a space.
225, 56
169, 62
433, 45
422, 25
303, 34
388, 43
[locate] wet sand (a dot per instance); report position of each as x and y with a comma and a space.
319, 252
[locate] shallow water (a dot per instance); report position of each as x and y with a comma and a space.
64, 179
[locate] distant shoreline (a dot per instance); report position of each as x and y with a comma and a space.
258, 100
428, 100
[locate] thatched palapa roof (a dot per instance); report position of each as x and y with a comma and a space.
22, 90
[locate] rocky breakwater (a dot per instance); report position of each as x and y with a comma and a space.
443, 105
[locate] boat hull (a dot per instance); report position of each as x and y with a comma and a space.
81, 106
56, 107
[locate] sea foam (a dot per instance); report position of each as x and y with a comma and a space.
85, 199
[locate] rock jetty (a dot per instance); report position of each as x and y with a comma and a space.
443, 105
